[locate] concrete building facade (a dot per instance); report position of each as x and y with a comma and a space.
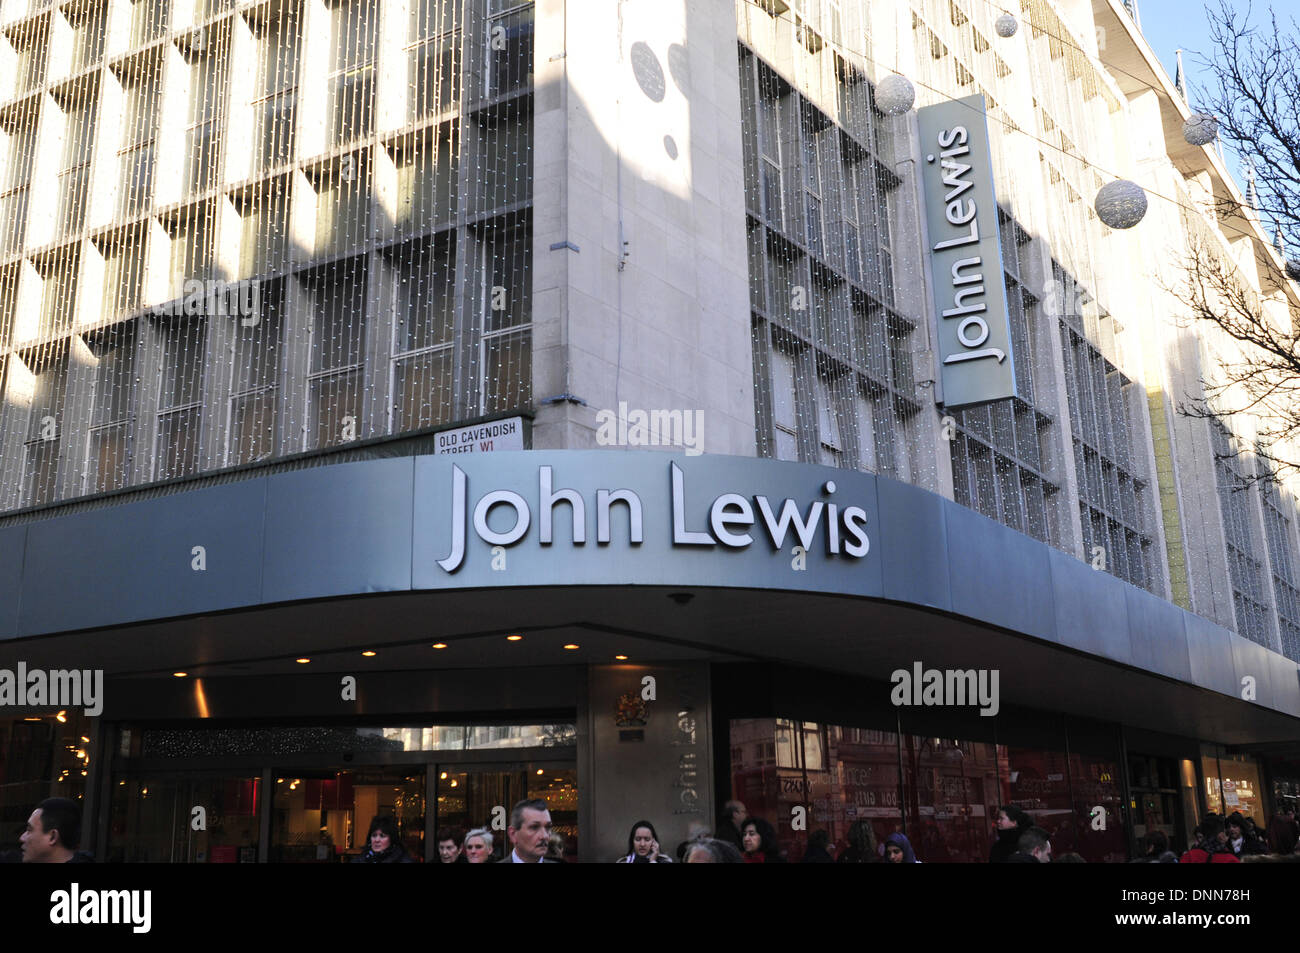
261, 260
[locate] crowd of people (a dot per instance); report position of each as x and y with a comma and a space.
53, 835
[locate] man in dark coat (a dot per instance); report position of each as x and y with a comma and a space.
817, 852
53, 832
730, 823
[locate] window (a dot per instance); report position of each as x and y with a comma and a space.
87, 33
255, 378
435, 57
423, 340
180, 394
784, 422
264, 217
192, 252
1245, 564
426, 178
136, 153
31, 47
16, 186
124, 258
108, 451
769, 147
276, 90
812, 190
74, 167
510, 47
334, 383
58, 292
351, 80
1277, 527
343, 205
45, 429
148, 20
828, 416
506, 381
204, 111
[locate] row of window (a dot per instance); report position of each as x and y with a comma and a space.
436, 59
155, 398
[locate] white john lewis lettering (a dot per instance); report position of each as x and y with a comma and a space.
730, 516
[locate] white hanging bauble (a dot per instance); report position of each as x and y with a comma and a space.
1006, 25
1121, 204
895, 95
1201, 129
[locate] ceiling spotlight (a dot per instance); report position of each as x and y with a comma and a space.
368, 654
180, 674
572, 645
621, 658
439, 645
540, 771
513, 638
302, 661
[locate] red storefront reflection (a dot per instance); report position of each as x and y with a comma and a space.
950, 789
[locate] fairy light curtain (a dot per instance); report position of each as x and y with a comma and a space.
269, 230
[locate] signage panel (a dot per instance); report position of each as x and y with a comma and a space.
976, 365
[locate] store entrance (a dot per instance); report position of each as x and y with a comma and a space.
247, 795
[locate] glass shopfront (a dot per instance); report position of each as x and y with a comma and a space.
40, 756
286, 794
1232, 784
943, 792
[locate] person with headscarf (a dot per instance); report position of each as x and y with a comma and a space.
898, 850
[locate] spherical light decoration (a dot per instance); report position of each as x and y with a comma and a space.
1121, 204
1201, 129
1006, 25
895, 95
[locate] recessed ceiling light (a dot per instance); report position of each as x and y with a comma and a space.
180, 674
302, 661
621, 658
540, 771
513, 638
572, 645
439, 645
367, 653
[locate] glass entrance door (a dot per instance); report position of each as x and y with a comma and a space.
482, 796
185, 818
308, 794
323, 816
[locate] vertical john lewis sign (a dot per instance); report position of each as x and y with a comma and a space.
965, 254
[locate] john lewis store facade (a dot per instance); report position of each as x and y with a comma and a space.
223, 494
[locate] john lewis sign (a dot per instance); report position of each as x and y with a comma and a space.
965, 254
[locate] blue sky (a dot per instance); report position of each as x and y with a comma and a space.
1169, 25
